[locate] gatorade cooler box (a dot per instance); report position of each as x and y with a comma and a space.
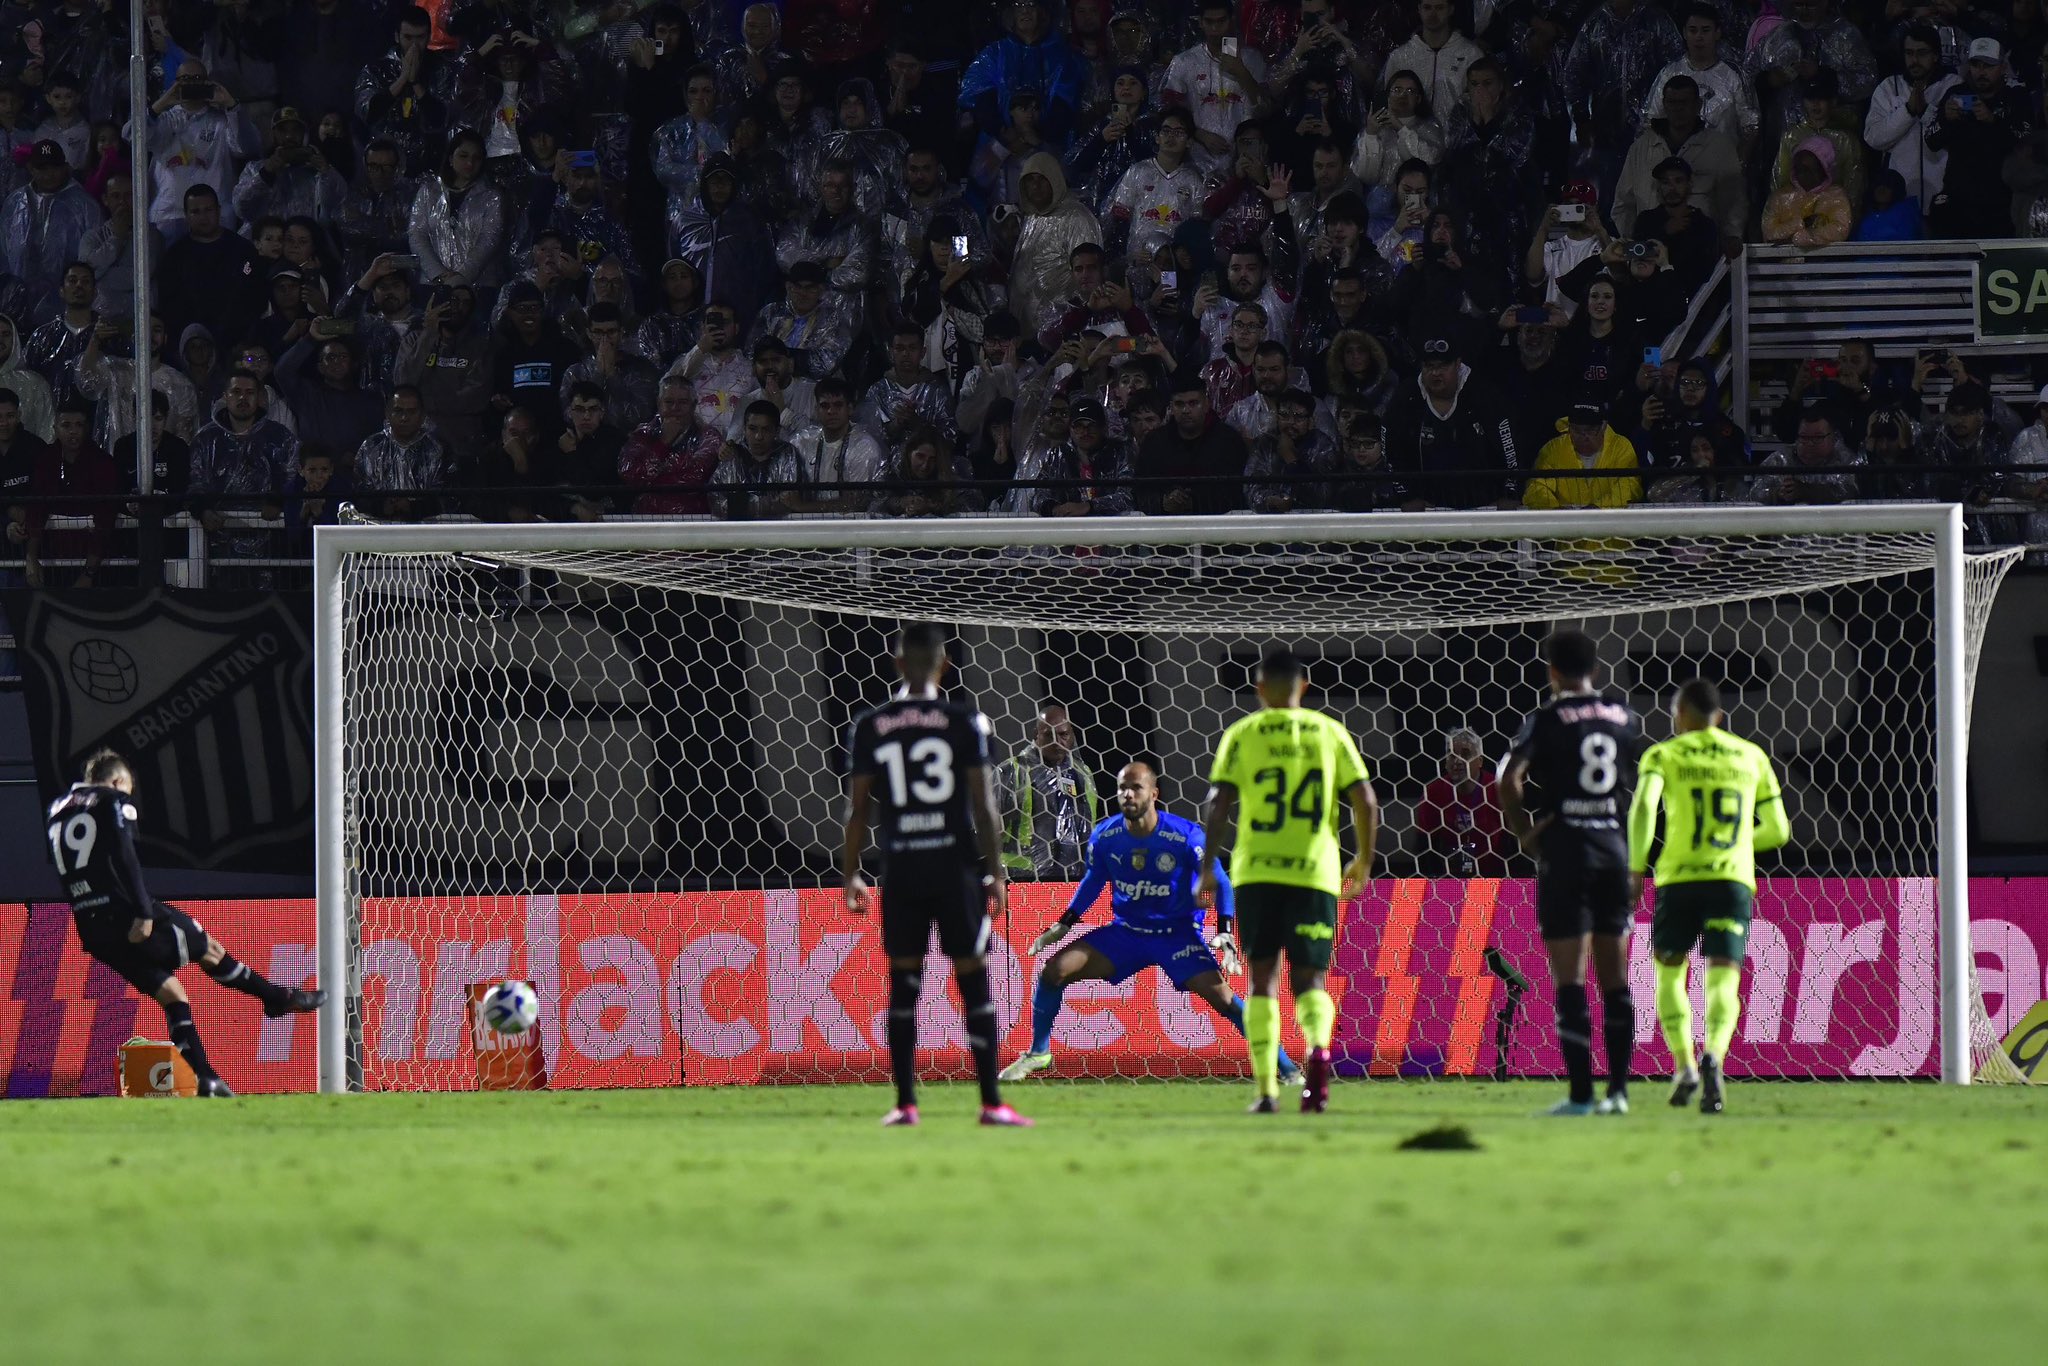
149, 1068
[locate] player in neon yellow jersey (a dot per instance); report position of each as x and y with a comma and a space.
1721, 806
1289, 766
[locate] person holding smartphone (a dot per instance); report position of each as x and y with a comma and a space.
1221, 84
197, 136
295, 180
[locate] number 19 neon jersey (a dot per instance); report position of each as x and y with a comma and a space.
1721, 803
1291, 768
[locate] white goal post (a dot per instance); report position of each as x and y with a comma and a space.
1373, 573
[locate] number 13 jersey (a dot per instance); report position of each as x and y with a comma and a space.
919, 752
1581, 751
1291, 768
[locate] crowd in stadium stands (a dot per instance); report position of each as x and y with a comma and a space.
564, 260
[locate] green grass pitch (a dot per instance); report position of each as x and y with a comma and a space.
1844, 1222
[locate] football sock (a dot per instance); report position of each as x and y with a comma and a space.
1262, 1039
1674, 1013
1575, 1039
1045, 1009
185, 1035
903, 989
1724, 1007
239, 976
1235, 1014
981, 1031
1316, 1016
1618, 1023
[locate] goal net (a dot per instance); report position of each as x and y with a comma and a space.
605, 759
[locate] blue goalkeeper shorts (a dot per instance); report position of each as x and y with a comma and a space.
1178, 952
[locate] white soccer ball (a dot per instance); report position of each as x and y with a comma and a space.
511, 1008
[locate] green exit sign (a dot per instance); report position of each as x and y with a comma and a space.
2012, 291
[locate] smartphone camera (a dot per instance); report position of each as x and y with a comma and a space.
1532, 315
1653, 355
960, 247
660, 48
1169, 279
1571, 213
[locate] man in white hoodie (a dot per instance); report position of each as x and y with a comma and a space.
1902, 114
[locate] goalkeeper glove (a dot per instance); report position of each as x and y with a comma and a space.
1224, 946
1051, 935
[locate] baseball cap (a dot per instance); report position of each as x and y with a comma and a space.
523, 292
1002, 326
1090, 411
286, 272
806, 273
2041, 399
1581, 192
1823, 84
1439, 348
47, 153
1587, 412
287, 114
769, 345
1669, 166
1986, 50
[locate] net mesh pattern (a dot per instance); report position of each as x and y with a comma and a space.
616, 774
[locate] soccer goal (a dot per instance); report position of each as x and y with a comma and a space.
604, 758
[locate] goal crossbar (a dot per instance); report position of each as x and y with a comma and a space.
1940, 523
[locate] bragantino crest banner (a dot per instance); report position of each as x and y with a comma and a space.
208, 694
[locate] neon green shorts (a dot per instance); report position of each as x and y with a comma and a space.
1302, 921
1714, 915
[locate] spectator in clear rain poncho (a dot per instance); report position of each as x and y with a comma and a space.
746, 71
874, 154
1117, 137
406, 95
1055, 222
686, 142
458, 220
908, 398
1812, 36
1620, 49
42, 224
840, 237
109, 380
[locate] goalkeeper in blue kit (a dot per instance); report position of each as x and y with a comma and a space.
1148, 860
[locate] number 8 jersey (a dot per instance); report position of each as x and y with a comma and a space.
919, 751
1581, 751
1291, 768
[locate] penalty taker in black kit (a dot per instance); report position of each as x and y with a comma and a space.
919, 769
92, 844
1564, 793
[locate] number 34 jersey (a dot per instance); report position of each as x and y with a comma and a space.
919, 752
1291, 768
1581, 751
